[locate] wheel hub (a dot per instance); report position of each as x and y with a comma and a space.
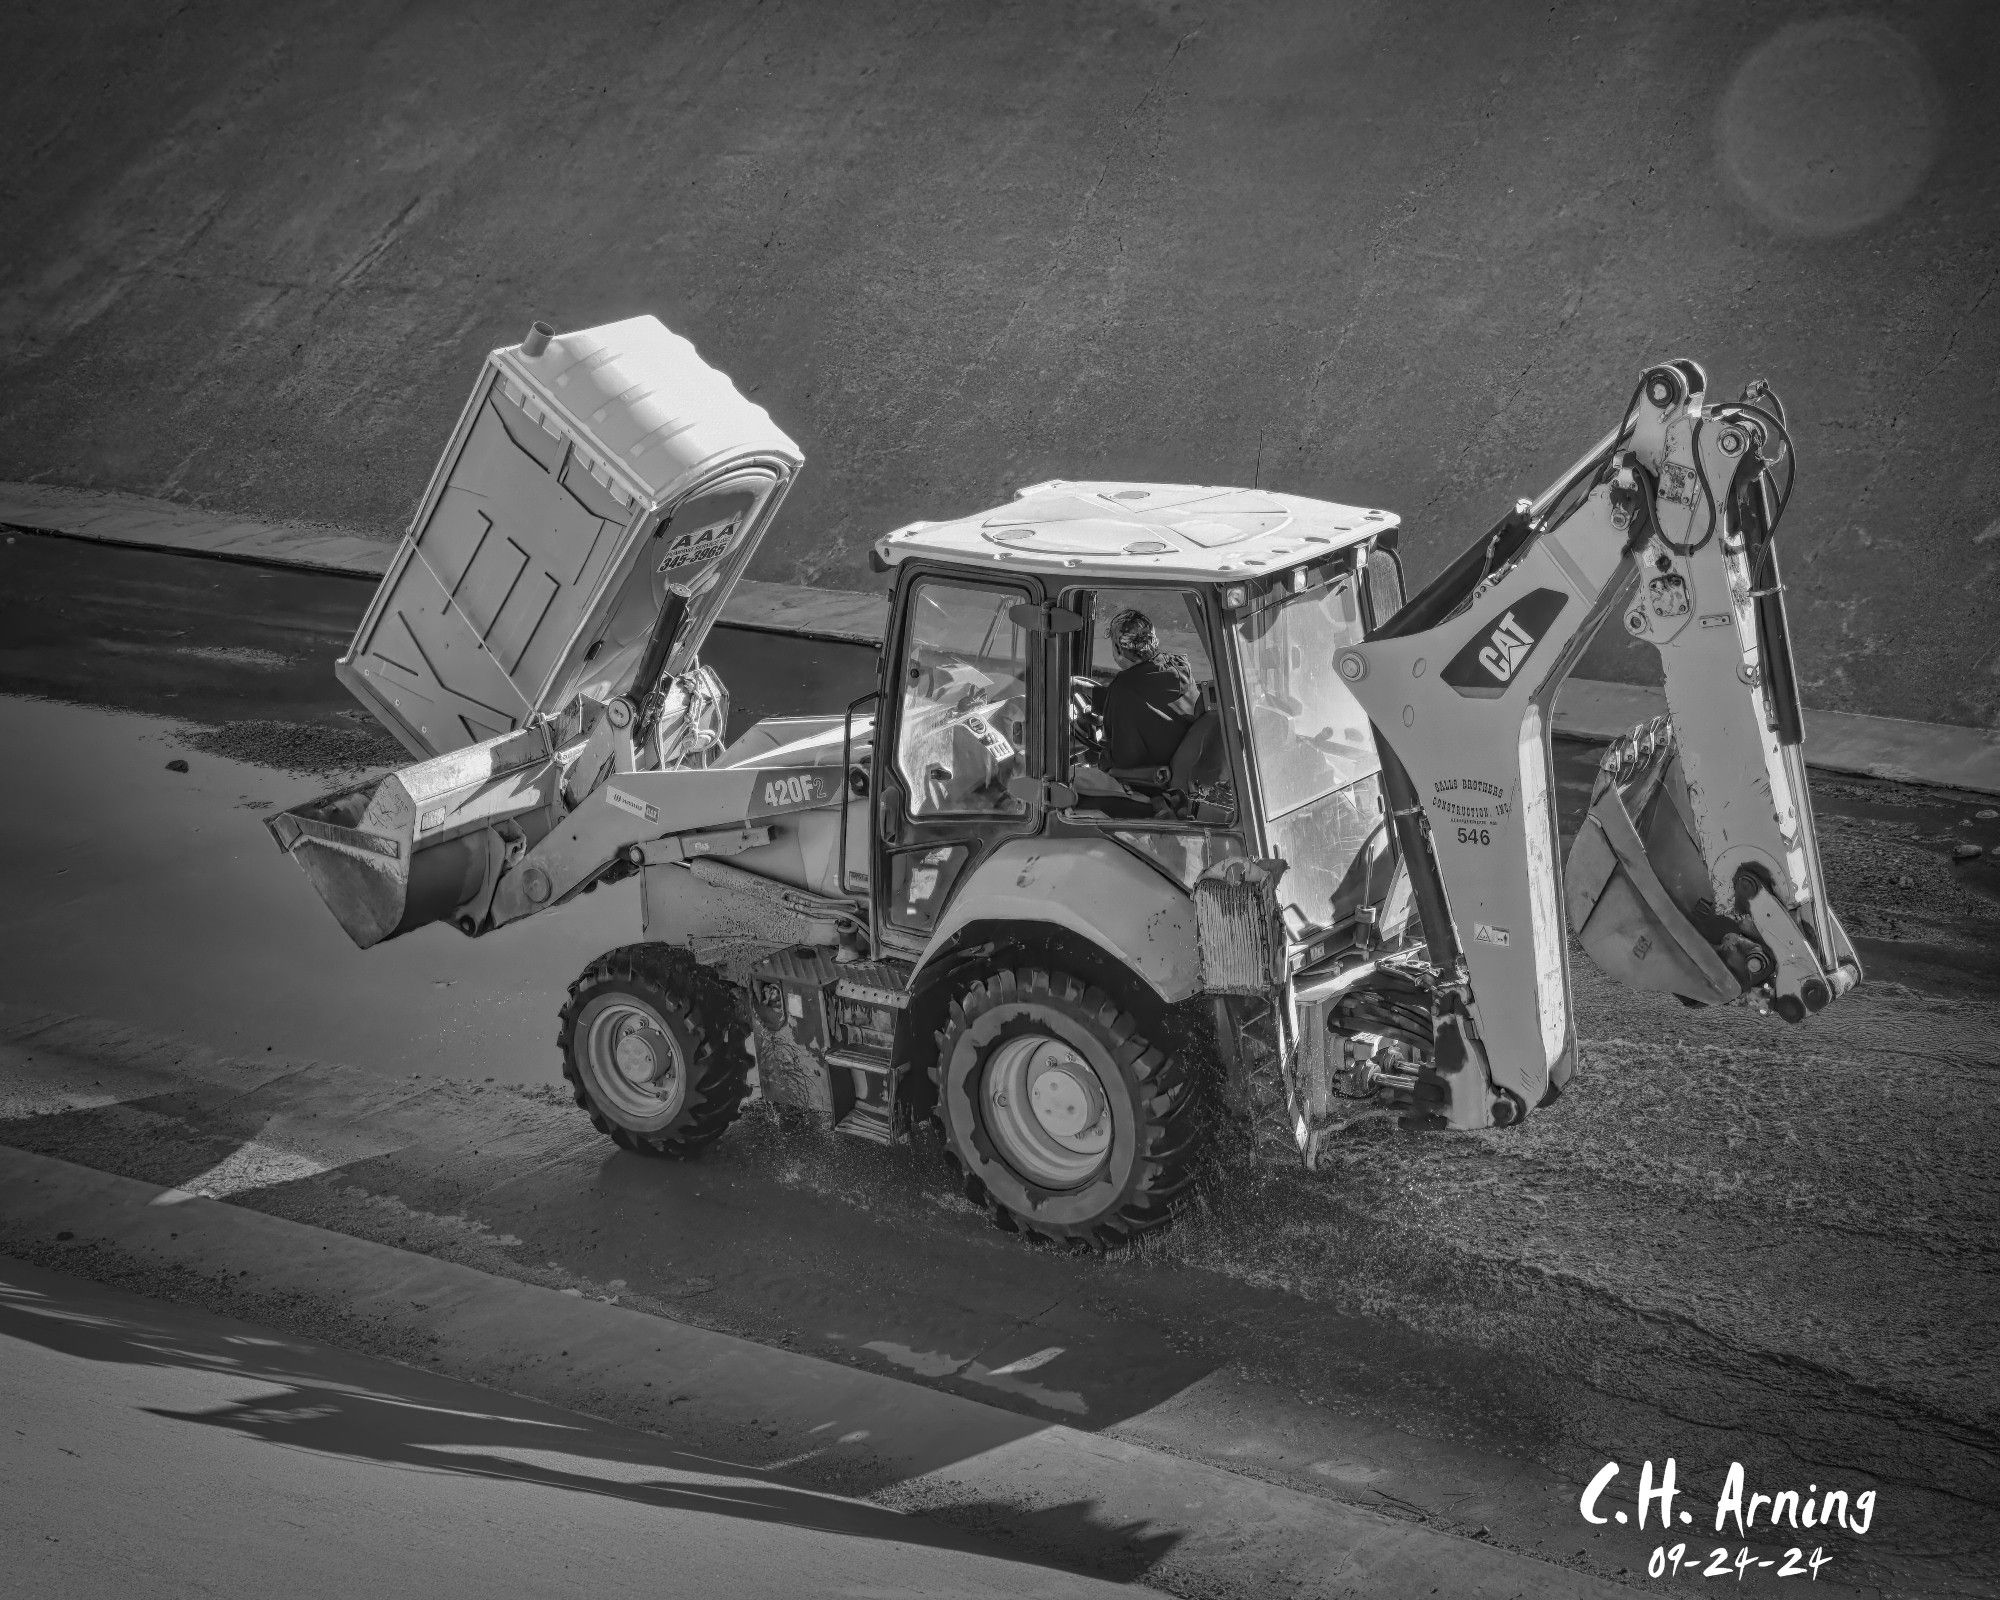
1047, 1111
635, 1060
1060, 1101
635, 1054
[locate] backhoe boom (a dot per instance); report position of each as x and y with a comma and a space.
1697, 872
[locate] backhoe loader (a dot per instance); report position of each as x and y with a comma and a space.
940, 902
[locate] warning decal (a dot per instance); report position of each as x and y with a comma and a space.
632, 804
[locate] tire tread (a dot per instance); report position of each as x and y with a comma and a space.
1172, 1098
718, 1076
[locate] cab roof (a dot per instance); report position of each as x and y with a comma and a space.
1170, 531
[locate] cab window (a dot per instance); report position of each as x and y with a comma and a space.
1151, 747
1310, 734
961, 728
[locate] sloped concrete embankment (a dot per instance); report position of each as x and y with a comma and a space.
1410, 256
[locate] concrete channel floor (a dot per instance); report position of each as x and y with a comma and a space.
349, 1474
1733, 1242
767, 1431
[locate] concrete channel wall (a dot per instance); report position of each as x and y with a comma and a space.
1410, 254
1942, 755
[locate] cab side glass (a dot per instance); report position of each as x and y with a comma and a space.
1310, 734
1315, 753
963, 720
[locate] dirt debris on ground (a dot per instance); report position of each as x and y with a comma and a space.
312, 749
1907, 888
1717, 1229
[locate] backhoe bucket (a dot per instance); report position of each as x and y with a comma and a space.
1637, 886
424, 843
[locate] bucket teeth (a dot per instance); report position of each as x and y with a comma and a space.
1631, 752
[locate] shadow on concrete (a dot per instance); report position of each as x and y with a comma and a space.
339, 1404
166, 1139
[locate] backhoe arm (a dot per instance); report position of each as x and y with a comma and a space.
1698, 871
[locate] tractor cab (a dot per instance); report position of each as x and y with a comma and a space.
1008, 712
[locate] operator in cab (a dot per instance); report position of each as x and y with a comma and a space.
1152, 702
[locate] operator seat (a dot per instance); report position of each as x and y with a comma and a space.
1200, 759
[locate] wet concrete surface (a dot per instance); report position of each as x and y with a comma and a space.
162, 888
1732, 1241
351, 1475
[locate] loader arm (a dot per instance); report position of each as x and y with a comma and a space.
1697, 872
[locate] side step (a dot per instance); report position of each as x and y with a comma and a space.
876, 1124
872, 1115
867, 997
826, 1038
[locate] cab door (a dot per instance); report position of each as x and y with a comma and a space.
962, 738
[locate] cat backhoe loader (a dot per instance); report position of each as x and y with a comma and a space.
939, 902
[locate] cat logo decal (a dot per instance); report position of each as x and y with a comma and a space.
1491, 661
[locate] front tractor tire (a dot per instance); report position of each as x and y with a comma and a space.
1062, 1117
653, 1048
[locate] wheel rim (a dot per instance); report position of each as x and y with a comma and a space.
1047, 1111
635, 1061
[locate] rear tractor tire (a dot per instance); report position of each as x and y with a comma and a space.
653, 1048
1063, 1118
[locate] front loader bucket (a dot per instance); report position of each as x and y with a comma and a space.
422, 843
1637, 886
376, 884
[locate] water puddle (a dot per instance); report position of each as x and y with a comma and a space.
157, 898
939, 1364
